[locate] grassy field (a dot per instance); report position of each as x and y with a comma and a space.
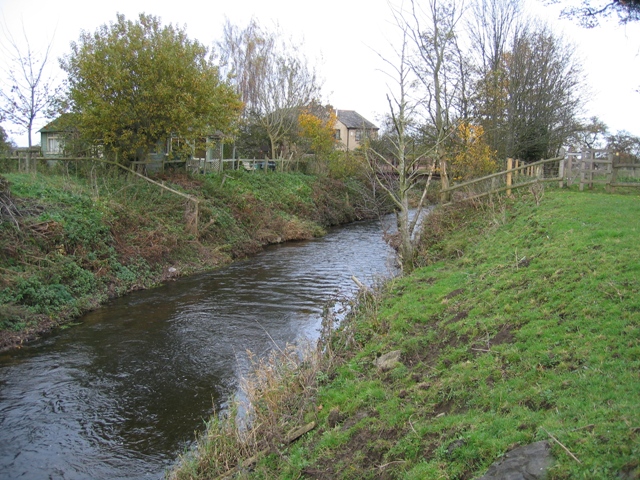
523, 323
68, 242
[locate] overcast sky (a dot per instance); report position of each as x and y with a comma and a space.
345, 37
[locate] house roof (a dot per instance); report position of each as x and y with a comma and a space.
61, 124
352, 119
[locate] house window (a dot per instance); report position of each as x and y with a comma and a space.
336, 134
54, 145
364, 134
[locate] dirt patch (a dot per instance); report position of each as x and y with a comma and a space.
525, 262
181, 179
443, 408
504, 336
366, 451
335, 417
458, 316
455, 293
538, 404
458, 340
482, 346
353, 420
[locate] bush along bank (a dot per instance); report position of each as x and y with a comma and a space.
67, 243
523, 326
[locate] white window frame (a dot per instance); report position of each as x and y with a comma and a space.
54, 144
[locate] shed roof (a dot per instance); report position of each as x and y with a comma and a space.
352, 119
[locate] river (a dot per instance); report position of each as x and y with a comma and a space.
122, 394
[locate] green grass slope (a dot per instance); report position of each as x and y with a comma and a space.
525, 325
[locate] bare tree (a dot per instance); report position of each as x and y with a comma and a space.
28, 91
272, 76
491, 26
399, 159
544, 84
243, 58
288, 86
430, 76
438, 64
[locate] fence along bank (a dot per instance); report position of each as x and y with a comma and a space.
587, 167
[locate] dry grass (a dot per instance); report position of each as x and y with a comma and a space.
277, 397
274, 399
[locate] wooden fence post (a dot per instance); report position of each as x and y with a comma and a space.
583, 167
614, 173
609, 171
561, 171
509, 174
569, 170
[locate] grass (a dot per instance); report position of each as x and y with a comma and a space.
522, 323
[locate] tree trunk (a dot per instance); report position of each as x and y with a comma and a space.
31, 167
406, 248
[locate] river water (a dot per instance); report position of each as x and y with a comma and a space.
122, 394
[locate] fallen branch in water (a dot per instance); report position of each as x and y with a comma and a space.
360, 285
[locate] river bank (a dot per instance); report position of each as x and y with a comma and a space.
523, 325
68, 243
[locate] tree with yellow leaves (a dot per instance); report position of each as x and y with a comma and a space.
318, 129
473, 157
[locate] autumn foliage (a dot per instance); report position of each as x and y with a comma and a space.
317, 131
473, 157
